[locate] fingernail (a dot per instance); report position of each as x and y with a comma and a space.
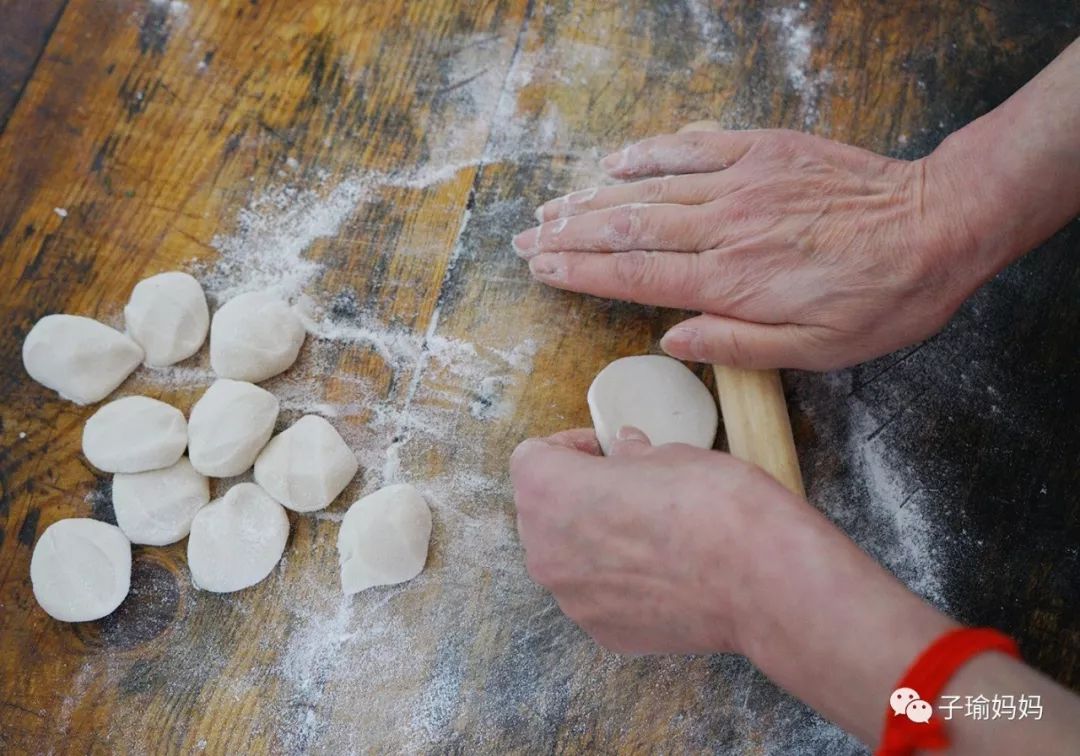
525, 243
548, 268
559, 225
539, 214
681, 339
583, 195
630, 433
614, 161
524, 446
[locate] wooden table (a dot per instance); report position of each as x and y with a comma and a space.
376, 158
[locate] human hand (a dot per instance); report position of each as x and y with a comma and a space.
651, 549
801, 252
675, 549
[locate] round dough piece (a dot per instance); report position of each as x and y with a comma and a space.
167, 316
156, 508
80, 569
229, 426
79, 358
237, 540
253, 337
384, 538
134, 434
655, 394
306, 466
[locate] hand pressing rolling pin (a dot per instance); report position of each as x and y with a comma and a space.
800, 253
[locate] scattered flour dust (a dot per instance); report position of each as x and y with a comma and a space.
174, 7
396, 663
796, 39
882, 505
442, 388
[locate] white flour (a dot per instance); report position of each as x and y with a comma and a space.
796, 40
402, 680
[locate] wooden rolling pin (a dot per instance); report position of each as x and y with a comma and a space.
756, 422
755, 413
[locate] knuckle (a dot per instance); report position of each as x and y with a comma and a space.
732, 348
538, 569
634, 269
519, 459
697, 140
640, 157
783, 142
624, 222
654, 189
531, 487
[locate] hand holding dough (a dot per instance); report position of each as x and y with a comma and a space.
253, 337
80, 569
167, 316
306, 466
657, 395
384, 538
229, 426
79, 358
134, 434
237, 540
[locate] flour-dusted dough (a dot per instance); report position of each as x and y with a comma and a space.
79, 358
254, 336
167, 316
229, 426
306, 466
237, 540
134, 434
655, 394
156, 508
80, 569
384, 538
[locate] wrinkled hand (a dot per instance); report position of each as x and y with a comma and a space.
801, 252
652, 549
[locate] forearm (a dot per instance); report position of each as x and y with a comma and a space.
844, 656
841, 654
1055, 731
1010, 179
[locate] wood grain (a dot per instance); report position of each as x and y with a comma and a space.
155, 125
757, 424
28, 25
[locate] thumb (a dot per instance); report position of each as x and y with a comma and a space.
740, 343
629, 441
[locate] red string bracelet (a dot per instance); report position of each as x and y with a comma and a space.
926, 678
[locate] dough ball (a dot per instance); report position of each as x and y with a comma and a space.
156, 508
384, 538
167, 316
306, 466
237, 540
657, 395
79, 358
253, 337
134, 434
80, 569
229, 426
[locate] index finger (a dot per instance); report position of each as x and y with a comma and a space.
691, 151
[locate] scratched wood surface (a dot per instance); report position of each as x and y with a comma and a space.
154, 124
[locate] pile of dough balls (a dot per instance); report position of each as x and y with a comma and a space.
81, 568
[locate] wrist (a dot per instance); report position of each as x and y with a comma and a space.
1007, 181
970, 204
963, 221
830, 625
